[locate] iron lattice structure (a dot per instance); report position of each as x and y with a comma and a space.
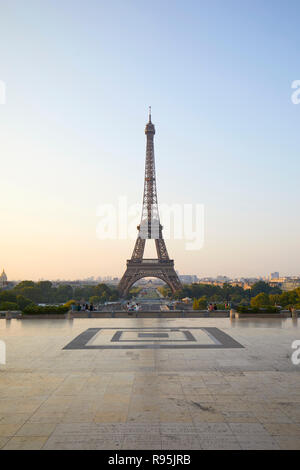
149, 228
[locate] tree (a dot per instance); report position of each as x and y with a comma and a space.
298, 292
24, 284
23, 302
114, 296
236, 298
63, 293
95, 299
103, 297
260, 300
274, 299
196, 304
260, 287
31, 292
263, 287
44, 285
165, 291
70, 303
288, 298
46, 291
10, 306
8, 296
202, 302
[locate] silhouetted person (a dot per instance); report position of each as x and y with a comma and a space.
215, 307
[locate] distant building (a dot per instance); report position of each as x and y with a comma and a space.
205, 280
237, 284
274, 275
114, 281
290, 284
278, 282
188, 278
223, 278
211, 282
3, 279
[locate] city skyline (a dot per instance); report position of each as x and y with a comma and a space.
219, 81
214, 277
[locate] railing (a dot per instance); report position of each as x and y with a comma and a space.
150, 261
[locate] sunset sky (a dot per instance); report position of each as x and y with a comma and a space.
79, 79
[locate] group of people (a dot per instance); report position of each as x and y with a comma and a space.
84, 307
88, 307
130, 307
212, 307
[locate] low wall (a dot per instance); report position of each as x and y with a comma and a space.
151, 314
123, 314
12, 314
282, 314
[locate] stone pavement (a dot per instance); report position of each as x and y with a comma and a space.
204, 396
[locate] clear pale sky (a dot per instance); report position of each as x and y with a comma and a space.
79, 78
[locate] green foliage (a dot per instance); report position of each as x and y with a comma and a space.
268, 309
202, 302
70, 303
236, 295
49, 309
63, 293
95, 299
133, 292
221, 306
30, 292
114, 295
23, 302
213, 293
274, 299
297, 290
10, 306
260, 300
262, 287
288, 298
45, 292
8, 296
165, 291
24, 284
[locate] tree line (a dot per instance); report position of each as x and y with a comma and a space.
260, 295
206, 293
29, 292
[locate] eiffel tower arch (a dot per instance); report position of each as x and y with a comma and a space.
150, 227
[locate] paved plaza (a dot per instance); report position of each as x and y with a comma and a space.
190, 383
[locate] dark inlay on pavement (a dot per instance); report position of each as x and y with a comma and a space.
153, 335
117, 337
220, 339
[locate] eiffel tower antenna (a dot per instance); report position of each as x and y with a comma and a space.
149, 228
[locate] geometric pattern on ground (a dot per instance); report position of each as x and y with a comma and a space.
153, 338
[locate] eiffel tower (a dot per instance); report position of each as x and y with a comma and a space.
149, 228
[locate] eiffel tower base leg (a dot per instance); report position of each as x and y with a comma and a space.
136, 270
